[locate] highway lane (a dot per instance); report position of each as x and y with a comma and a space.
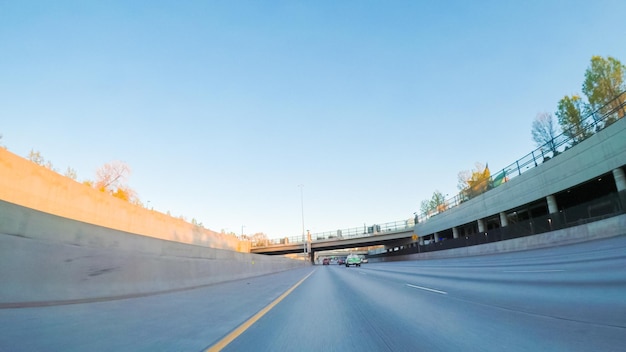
570, 298
583, 282
188, 320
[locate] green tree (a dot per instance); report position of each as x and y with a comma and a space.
436, 204
570, 115
425, 207
604, 81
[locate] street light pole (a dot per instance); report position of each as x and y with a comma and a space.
302, 209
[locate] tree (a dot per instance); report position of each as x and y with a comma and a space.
544, 132
259, 239
196, 223
570, 115
125, 193
475, 182
36, 157
604, 81
425, 207
227, 232
436, 204
111, 178
111, 175
71, 173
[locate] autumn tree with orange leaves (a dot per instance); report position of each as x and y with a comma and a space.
112, 178
475, 182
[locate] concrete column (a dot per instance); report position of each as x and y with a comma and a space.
504, 220
620, 182
455, 232
552, 206
620, 179
437, 239
481, 225
553, 209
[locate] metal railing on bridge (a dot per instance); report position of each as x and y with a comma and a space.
590, 123
354, 232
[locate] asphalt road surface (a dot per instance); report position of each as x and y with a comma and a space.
570, 298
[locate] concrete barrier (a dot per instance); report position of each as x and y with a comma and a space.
46, 259
614, 226
36, 187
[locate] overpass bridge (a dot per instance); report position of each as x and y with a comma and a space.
388, 234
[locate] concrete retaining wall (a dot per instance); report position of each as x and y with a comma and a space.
614, 226
46, 259
28, 184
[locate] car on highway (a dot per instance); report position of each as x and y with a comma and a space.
353, 259
364, 260
326, 261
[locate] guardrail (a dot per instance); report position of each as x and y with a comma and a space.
354, 232
364, 231
591, 123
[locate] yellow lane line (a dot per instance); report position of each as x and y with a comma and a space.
243, 327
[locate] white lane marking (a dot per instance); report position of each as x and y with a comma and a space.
533, 271
428, 289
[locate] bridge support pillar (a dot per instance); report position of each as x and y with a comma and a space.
504, 220
620, 182
553, 209
437, 239
504, 229
455, 232
481, 225
552, 206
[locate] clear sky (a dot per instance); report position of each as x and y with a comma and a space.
222, 108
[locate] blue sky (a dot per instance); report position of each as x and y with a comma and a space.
222, 108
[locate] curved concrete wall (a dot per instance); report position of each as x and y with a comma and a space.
597, 155
46, 259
